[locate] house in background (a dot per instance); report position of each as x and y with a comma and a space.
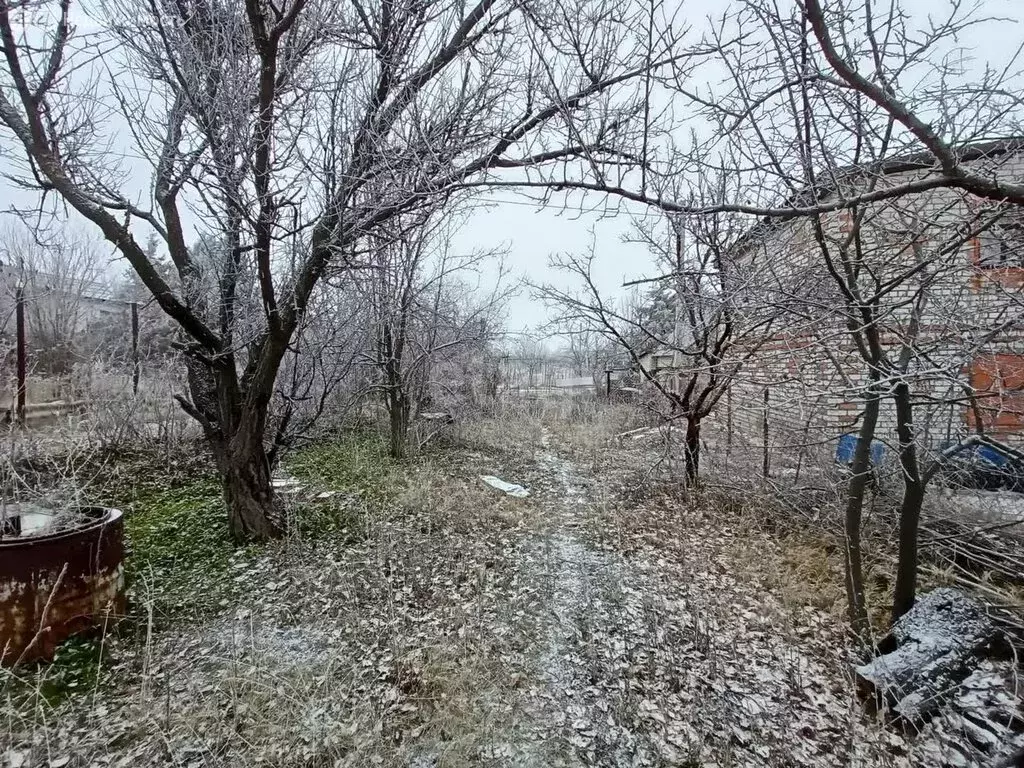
661, 360
948, 269
65, 317
664, 364
67, 303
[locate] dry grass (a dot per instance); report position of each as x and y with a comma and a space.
381, 650
803, 561
605, 620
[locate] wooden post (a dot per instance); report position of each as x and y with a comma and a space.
22, 354
765, 463
608, 384
135, 347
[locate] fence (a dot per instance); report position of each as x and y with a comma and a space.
61, 352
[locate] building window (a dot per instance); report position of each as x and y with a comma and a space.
1002, 245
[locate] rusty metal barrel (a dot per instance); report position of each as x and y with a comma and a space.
58, 579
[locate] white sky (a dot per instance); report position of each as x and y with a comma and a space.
531, 234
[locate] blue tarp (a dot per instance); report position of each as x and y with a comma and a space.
986, 454
848, 446
986, 467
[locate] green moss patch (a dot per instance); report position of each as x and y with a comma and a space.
181, 565
181, 557
355, 463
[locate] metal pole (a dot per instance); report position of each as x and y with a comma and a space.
764, 435
728, 421
135, 347
22, 354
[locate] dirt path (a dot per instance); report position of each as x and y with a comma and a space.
590, 608
649, 652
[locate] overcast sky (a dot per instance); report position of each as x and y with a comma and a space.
531, 233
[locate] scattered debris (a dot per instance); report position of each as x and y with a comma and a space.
442, 417
941, 667
635, 434
579, 628
510, 489
981, 725
284, 483
930, 650
643, 433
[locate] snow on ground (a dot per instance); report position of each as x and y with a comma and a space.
649, 660
466, 627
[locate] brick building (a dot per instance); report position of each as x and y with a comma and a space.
944, 274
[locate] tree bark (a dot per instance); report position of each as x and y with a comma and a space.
234, 428
691, 452
910, 506
248, 493
861, 474
398, 412
397, 409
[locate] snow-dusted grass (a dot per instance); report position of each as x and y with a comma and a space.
304, 651
439, 622
735, 671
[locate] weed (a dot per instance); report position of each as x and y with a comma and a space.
355, 462
181, 566
180, 555
77, 667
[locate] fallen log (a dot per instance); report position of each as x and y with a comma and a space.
929, 652
944, 670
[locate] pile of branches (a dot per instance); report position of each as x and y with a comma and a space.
987, 559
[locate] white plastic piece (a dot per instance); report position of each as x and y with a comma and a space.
510, 489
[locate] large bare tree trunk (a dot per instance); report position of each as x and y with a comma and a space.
398, 412
248, 492
396, 398
910, 507
234, 427
861, 473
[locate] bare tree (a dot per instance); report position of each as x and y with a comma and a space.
66, 293
420, 311
583, 349
704, 339
936, 254
530, 356
271, 120
918, 321
897, 69
879, 269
